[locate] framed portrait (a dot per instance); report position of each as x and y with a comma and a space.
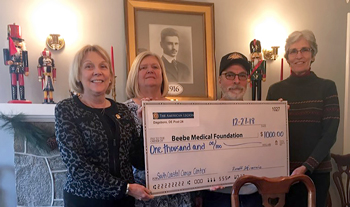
182, 34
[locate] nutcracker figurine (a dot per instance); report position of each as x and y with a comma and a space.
47, 75
16, 56
258, 69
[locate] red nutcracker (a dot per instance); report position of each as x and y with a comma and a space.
16, 56
47, 75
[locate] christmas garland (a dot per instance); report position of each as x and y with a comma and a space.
34, 134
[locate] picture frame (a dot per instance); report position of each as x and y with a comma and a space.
148, 23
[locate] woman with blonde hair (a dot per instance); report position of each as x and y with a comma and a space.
96, 137
147, 80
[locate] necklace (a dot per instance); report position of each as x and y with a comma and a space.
103, 111
103, 108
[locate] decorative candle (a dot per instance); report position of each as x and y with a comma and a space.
112, 59
281, 68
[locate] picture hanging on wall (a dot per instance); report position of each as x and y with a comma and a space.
182, 34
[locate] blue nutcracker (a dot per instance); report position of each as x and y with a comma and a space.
258, 69
16, 56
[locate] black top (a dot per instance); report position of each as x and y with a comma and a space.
97, 154
313, 119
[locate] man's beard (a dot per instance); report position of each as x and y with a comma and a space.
232, 95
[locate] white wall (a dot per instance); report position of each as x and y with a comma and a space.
80, 22
101, 22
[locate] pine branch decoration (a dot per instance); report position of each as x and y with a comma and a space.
35, 135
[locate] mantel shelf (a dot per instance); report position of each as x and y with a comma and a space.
32, 112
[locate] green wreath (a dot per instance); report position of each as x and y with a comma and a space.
34, 134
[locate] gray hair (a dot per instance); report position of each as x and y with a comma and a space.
297, 35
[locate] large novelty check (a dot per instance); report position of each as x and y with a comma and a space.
195, 145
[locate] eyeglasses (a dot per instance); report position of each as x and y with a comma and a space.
232, 76
294, 52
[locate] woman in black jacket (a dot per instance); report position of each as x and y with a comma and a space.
97, 137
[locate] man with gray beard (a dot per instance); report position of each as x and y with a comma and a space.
233, 76
233, 80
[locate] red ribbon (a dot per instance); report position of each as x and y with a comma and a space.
255, 68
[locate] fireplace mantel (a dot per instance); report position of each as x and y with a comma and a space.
32, 112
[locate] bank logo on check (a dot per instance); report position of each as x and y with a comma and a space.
173, 115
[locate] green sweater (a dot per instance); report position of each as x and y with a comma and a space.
313, 119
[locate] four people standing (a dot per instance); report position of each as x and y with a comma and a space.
100, 140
